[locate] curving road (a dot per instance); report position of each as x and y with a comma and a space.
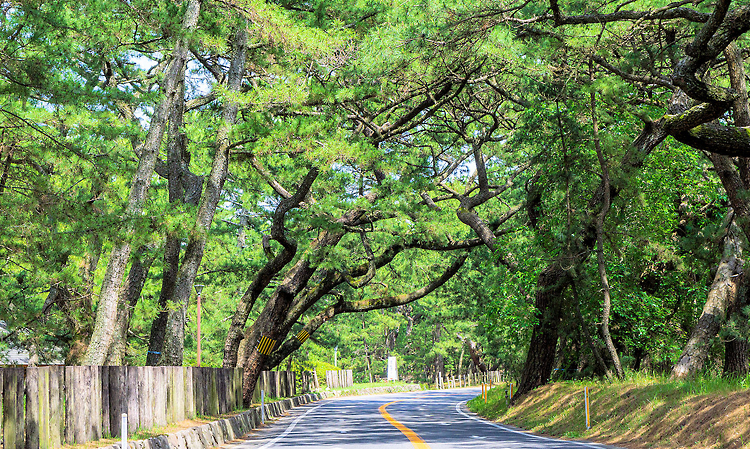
422, 420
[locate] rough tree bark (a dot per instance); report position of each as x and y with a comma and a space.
735, 177
737, 347
269, 270
475, 354
106, 313
172, 349
552, 282
176, 148
720, 29
129, 296
270, 322
292, 344
723, 292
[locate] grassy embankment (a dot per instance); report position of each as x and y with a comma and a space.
637, 413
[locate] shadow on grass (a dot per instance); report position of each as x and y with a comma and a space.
666, 415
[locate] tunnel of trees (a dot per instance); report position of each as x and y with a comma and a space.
556, 189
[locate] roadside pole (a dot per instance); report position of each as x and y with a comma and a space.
124, 431
262, 408
588, 412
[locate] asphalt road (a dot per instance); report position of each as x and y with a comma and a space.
422, 420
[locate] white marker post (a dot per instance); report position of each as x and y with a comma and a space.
588, 413
262, 408
124, 431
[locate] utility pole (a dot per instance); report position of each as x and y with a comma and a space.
198, 290
335, 353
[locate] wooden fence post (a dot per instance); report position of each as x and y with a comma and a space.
117, 394
131, 398
159, 393
104, 410
13, 417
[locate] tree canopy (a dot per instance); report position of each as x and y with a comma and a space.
548, 188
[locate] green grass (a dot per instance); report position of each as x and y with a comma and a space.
701, 412
496, 405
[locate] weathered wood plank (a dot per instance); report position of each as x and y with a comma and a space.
70, 404
94, 386
106, 429
14, 386
221, 387
238, 386
161, 385
131, 398
198, 390
276, 384
179, 391
169, 391
10, 428
56, 405
145, 411
213, 391
32, 408
190, 406
45, 411
117, 405
231, 389
80, 405
82, 412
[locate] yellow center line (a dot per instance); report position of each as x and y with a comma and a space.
413, 437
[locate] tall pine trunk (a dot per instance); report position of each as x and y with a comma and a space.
106, 313
537, 370
173, 345
723, 293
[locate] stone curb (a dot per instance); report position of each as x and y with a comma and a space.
225, 430
219, 432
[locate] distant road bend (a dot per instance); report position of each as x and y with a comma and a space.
422, 420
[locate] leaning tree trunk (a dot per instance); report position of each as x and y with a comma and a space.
271, 324
172, 349
176, 147
722, 294
552, 281
737, 348
106, 313
128, 299
601, 263
541, 356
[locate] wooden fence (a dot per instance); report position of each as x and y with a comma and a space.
77, 404
275, 384
469, 379
308, 381
339, 379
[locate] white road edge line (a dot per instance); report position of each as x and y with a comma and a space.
531, 435
290, 428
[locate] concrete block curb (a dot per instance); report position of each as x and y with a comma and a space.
222, 431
